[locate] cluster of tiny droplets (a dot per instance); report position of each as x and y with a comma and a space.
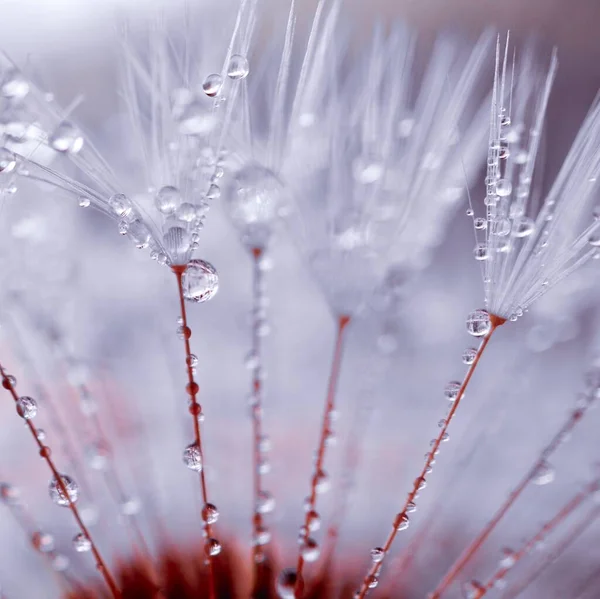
265, 502
183, 218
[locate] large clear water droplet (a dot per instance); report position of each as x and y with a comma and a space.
377, 555
167, 199
66, 138
26, 407
200, 281
481, 251
469, 355
192, 457
503, 188
212, 85
57, 491
139, 233
238, 67
478, 323
213, 547
451, 390
120, 204
403, 523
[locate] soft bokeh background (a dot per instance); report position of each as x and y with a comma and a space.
121, 321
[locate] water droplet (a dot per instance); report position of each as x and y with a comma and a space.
9, 494
411, 508
313, 520
469, 355
544, 474
212, 85
451, 390
120, 204
57, 491
8, 161
251, 361
377, 555
40, 434
26, 407
167, 199
445, 437
310, 550
84, 202
186, 212
213, 547
262, 536
200, 281
503, 188
473, 590
470, 212
367, 169
42, 541
523, 227
254, 199
66, 138
60, 562
14, 85
372, 581
594, 239
403, 522
81, 543
508, 558
501, 227
480, 223
478, 323
481, 251
265, 503
97, 456
238, 67
139, 233
322, 482
210, 513
286, 582
192, 457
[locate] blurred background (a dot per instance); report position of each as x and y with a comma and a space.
120, 319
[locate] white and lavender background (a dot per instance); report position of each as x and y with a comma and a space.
122, 315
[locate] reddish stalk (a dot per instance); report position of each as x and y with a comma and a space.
475, 545
195, 410
325, 432
558, 550
258, 524
371, 579
45, 453
560, 517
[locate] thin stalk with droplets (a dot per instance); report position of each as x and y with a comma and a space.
557, 440
63, 492
401, 520
308, 547
194, 455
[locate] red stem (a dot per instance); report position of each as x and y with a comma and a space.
325, 429
45, 453
195, 410
495, 322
